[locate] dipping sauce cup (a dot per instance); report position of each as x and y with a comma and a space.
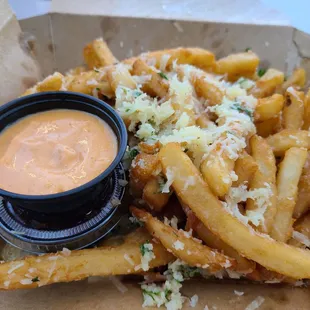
73, 199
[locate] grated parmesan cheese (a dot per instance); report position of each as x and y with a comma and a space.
118, 284
256, 303
25, 281
193, 301
178, 245
173, 222
15, 266
240, 194
129, 259
170, 179
147, 255
238, 293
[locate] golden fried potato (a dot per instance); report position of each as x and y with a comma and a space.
97, 54
273, 255
66, 266
153, 196
238, 65
245, 169
297, 79
164, 59
157, 85
182, 245
120, 75
306, 123
268, 108
243, 265
303, 197
269, 127
293, 112
268, 83
265, 174
287, 186
287, 138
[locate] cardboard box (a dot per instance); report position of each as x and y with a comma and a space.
38, 46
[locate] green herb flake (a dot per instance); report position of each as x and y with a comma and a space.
96, 70
144, 249
36, 279
285, 78
98, 88
163, 75
137, 93
261, 72
248, 49
133, 153
242, 109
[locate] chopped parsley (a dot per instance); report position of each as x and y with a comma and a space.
242, 109
248, 49
261, 72
36, 279
127, 110
189, 272
163, 75
96, 70
133, 153
285, 78
137, 93
145, 248
98, 88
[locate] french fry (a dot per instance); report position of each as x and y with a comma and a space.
97, 54
153, 196
77, 70
35, 271
306, 123
301, 226
245, 169
149, 148
141, 171
287, 138
52, 82
276, 256
164, 59
119, 75
287, 185
297, 79
268, 108
238, 65
303, 197
243, 265
182, 246
207, 87
269, 127
264, 176
157, 85
216, 170
268, 83
293, 112
89, 82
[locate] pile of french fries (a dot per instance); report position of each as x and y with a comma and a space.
211, 238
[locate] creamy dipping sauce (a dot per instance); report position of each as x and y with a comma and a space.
54, 151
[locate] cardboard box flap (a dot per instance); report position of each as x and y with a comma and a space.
57, 40
18, 68
245, 12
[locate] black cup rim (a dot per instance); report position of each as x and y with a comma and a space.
121, 149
